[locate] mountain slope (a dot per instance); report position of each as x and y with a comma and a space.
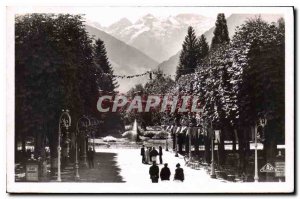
125, 59
158, 38
169, 66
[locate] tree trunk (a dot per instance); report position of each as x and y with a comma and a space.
207, 143
174, 140
241, 160
270, 147
196, 141
221, 148
23, 144
180, 142
186, 142
233, 138
53, 141
17, 154
38, 143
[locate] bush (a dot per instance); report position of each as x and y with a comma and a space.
149, 134
160, 135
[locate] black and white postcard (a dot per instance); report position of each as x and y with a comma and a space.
150, 99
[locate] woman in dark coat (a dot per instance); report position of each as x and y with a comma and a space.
165, 173
179, 175
147, 155
160, 153
143, 154
153, 154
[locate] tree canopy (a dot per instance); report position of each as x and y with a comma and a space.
106, 82
55, 69
221, 34
189, 54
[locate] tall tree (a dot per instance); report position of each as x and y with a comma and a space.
189, 54
159, 85
54, 71
259, 78
221, 35
107, 81
203, 49
112, 122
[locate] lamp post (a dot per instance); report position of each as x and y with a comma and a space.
176, 149
82, 123
94, 124
93, 140
65, 121
167, 144
212, 174
177, 125
255, 154
85, 135
262, 122
168, 138
190, 143
189, 132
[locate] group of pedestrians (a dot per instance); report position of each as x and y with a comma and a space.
149, 155
165, 173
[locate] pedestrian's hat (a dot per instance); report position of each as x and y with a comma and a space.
177, 165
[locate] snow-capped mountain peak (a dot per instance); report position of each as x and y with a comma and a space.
118, 26
158, 37
172, 21
147, 20
124, 22
148, 17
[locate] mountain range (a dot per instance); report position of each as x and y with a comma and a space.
125, 59
158, 38
153, 42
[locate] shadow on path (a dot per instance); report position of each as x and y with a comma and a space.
105, 170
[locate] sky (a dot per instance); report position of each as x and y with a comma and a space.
108, 15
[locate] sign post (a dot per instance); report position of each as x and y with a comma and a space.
255, 161
212, 173
280, 167
32, 170
64, 121
262, 122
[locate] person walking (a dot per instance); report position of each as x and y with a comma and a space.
90, 155
150, 155
160, 153
153, 154
154, 171
165, 173
143, 154
147, 155
179, 175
